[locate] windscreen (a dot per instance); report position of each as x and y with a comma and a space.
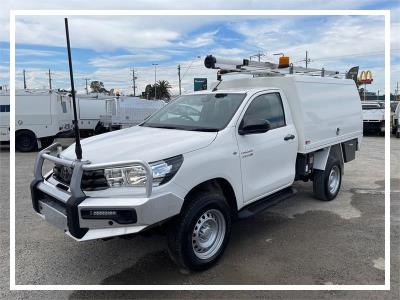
202, 112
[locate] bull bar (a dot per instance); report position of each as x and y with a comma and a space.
71, 198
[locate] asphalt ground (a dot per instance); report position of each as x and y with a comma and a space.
299, 241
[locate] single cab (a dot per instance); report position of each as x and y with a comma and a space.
204, 160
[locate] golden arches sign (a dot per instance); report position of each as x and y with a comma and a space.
365, 77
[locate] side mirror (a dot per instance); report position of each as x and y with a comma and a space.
254, 126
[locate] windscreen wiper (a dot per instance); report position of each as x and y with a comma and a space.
205, 129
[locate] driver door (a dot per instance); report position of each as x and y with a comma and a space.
268, 159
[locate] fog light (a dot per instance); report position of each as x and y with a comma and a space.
121, 216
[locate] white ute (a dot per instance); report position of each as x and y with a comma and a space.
204, 160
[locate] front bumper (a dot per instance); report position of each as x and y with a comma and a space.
63, 207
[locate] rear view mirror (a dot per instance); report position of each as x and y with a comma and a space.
254, 126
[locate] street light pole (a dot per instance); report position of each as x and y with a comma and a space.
155, 80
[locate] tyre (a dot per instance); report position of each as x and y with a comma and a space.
25, 141
47, 141
327, 183
398, 134
199, 235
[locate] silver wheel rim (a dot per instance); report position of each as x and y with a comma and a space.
334, 180
208, 234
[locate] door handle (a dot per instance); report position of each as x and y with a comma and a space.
289, 137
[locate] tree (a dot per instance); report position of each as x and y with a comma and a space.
163, 90
149, 91
97, 87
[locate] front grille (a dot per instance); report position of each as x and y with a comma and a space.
91, 180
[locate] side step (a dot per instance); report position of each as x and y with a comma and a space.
267, 202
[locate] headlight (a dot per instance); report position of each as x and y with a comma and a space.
135, 175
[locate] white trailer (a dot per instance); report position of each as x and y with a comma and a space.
125, 112
40, 116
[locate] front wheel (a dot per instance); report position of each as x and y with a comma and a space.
327, 183
199, 235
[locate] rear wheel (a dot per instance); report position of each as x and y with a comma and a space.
327, 183
198, 237
25, 141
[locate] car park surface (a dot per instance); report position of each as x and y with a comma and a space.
299, 241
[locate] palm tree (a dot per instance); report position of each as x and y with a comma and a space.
163, 89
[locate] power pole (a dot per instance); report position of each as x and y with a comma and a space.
396, 91
155, 81
134, 81
50, 80
179, 78
306, 59
86, 81
24, 79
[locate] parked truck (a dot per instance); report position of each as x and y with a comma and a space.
203, 161
90, 110
122, 112
373, 116
40, 115
4, 118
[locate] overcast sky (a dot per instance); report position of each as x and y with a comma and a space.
107, 48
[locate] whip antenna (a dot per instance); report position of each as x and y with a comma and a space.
78, 147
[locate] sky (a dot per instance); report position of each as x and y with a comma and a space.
108, 48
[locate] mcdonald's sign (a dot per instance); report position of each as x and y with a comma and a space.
365, 77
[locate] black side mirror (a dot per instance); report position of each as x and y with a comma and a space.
254, 126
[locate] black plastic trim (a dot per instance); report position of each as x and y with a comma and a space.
71, 207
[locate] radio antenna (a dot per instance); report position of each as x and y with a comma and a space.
78, 147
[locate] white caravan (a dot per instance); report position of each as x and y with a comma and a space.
125, 112
40, 116
204, 160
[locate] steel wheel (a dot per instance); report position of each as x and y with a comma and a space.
208, 234
334, 179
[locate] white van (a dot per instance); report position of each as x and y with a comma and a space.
40, 116
204, 160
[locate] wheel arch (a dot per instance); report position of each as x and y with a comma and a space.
19, 131
321, 157
219, 184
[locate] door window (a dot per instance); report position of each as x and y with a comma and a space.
4, 108
267, 107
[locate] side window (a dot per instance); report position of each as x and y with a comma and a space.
4, 108
267, 107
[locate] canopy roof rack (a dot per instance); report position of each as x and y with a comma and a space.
262, 69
